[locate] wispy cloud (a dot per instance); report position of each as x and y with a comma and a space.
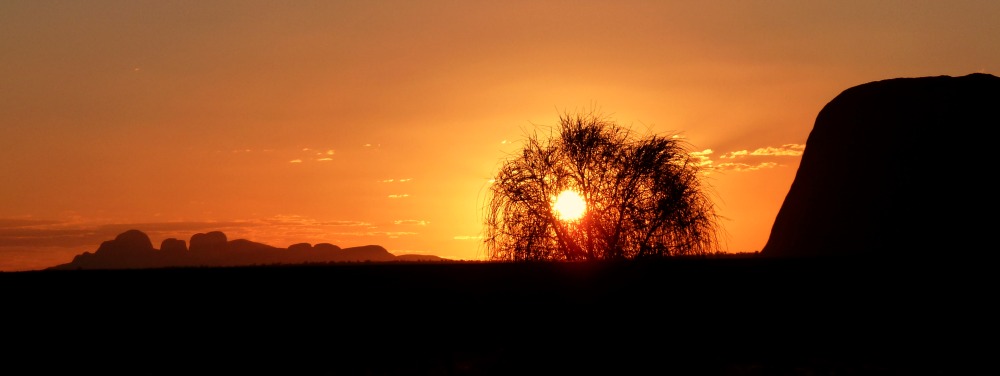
411, 222
163, 227
307, 155
345, 223
467, 237
744, 166
24, 222
395, 180
404, 195
704, 158
325, 156
786, 150
397, 234
388, 234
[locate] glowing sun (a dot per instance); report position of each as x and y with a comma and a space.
569, 206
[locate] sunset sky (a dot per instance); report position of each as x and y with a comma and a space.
382, 122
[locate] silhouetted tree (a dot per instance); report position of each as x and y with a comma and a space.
644, 197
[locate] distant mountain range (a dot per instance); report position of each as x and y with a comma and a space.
133, 249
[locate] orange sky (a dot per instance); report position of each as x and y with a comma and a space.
381, 122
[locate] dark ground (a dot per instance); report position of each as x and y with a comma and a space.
728, 316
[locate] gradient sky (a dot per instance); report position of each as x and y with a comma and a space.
382, 122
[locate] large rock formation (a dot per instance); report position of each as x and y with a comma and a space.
210, 241
130, 249
131, 240
300, 247
134, 250
895, 168
325, 247
173, 245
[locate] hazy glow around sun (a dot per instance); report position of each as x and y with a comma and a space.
569, 206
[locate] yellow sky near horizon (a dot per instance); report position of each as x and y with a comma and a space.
381, 122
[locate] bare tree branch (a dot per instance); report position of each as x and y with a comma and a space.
644, 197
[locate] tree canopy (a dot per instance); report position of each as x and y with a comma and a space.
643, 194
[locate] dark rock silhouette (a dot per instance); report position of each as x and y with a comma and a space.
173, 245
300, 247
128, 241
212, 241
894, 168
367, 253
325, 247
130, 249
134, 250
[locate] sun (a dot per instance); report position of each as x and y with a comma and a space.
569, 206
